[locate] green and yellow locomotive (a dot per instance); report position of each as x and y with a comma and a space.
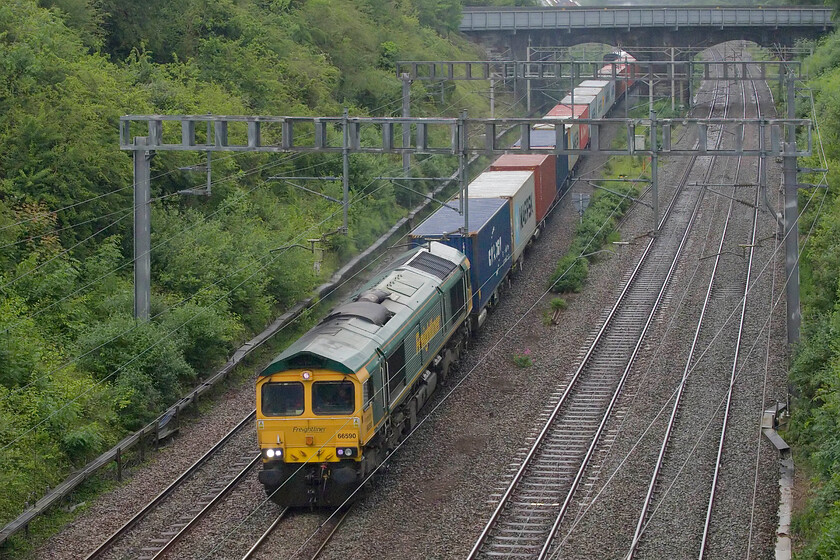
334, 405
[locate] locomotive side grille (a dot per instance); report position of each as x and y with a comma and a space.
433, 264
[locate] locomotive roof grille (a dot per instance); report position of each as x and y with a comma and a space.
375, 313
433, 264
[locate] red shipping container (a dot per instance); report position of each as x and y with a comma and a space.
565, 111
544, 168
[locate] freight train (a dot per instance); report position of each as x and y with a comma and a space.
336, 402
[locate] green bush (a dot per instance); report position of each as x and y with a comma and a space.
73, 361
570, 274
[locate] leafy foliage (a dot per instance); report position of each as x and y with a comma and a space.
815, 372
76, 370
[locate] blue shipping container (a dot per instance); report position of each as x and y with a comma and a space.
488, 246
547, 138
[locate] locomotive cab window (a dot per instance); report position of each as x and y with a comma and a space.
333, 397
367, 393
457, 298
282, 399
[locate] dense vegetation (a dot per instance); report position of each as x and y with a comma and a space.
76, 370
815, 374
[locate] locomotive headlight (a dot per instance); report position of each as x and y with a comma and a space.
339, 451
273, 453
348, 452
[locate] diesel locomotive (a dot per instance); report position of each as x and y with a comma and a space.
334, 404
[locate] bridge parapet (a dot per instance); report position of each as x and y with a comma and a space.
526, 19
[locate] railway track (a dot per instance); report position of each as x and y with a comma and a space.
312, 547
653, 486
210, 494
699, 380
252, 551
538, 498
736, 361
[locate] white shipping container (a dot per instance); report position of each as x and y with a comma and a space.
600, 99
573, 142
591, 100
607, 86
518, 187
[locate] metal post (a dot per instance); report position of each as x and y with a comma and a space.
209, 176
516, 83
791, 219
673, 86
690, 84
527, 81
650, 91
345, 169
142, 230
406, 112
654, 171
492, 98
626, 90
462, 172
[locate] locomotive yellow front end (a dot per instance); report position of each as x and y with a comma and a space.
309, 429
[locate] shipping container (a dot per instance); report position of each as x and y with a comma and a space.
599, 108
518, 187
620, 78
545, 176
488, 245
608, 87
589, 100
579, 134
547, 139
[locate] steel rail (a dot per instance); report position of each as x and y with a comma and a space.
642, 520
169, 489
230, 485
573, 384
265, 534
548, 425
332, 532
617, 393
733, 372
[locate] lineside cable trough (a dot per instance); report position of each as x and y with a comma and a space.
769, 423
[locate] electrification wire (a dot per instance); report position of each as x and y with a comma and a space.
97, 197
31, 238
92, 236
62, 253
222, 207
205, 308
136, 325
159, 341
664, 407
607, 221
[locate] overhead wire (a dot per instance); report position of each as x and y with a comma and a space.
223, 206
94, 198
607, 221
136, 356
75, 359
661, 411
275, 256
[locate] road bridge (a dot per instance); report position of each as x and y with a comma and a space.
629, 26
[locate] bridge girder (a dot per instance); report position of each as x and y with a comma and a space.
519, 41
